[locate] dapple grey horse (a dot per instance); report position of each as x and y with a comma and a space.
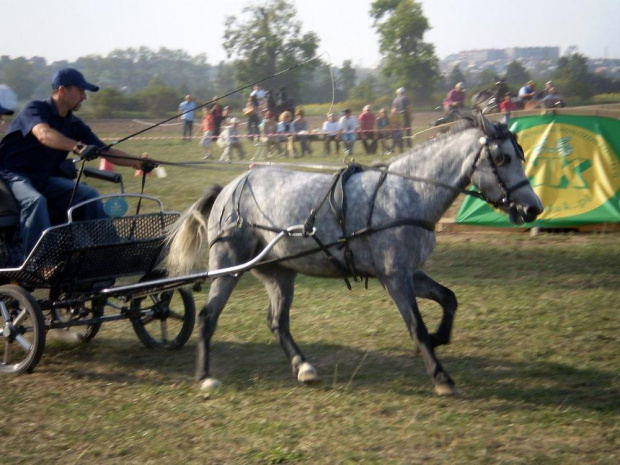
389, 221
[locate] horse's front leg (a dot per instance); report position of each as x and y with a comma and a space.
402, 291
220, 291
428, 288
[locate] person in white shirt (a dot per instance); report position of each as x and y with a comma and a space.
347, 127
330, 131
260, 95
187, 107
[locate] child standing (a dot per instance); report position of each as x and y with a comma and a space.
208, 134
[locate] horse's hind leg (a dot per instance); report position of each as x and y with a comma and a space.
220, 291
280, 285
428, 288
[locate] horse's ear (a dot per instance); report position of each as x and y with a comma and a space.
485, 124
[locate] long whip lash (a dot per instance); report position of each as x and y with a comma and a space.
290, 68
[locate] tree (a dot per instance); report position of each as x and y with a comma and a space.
267, 40
158, 98
17, 77
456, 75
516, 74
365, 90
573, 77
411, 61
346, 80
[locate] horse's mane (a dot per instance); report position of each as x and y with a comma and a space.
467, 121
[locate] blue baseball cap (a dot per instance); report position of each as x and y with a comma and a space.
5, 111
72, 77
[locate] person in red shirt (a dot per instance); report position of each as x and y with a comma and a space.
208, 133
506, 106
367, 133
455, 98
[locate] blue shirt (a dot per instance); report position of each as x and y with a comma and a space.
189, 107
21, 151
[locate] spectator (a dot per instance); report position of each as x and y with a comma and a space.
347, 128
187, 107
403, 110
300, 129
231, 139
285, 133
383, 131
259, 95
35, 149
208, 133
553, 99
527, 92
548, 85
271, 103
330, 131
216, 110
506, 106
225, 113
397, 131
367, 134
455, 98
269, 128
252, 111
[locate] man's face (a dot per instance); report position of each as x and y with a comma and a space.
73, 97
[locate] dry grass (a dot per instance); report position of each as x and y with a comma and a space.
534, 354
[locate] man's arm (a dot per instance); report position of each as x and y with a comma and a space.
53, 138
125, 159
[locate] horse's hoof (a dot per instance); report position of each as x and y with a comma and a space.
445, 389
210, 384
307, 374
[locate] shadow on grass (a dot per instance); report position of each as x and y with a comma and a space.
240, 365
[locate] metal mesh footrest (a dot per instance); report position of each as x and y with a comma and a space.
98, 249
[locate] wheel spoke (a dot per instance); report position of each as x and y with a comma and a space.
147, 319
19, 318
175, 315
23, 342
164, 331
5, 312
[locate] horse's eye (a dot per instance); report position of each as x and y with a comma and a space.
499, 157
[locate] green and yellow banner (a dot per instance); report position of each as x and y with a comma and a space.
573, 164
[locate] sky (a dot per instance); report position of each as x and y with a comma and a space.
67, 29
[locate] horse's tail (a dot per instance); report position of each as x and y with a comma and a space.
187, 237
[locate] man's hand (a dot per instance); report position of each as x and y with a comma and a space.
147, 166
90, 152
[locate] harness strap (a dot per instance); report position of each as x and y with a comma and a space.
382, 178
325, 247
343, 271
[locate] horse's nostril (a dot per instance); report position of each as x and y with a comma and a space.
531, 212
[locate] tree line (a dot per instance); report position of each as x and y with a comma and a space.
263, 40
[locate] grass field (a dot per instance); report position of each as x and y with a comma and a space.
534, 355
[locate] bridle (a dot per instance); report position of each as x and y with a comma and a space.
490, 149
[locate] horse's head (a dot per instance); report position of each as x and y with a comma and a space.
499, 174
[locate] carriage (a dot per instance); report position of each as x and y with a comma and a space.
58, 286
363, 222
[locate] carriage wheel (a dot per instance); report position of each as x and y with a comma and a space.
22, 331
166, 319
82, 333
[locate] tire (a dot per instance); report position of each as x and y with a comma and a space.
83, 333
157, 324
22, 331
